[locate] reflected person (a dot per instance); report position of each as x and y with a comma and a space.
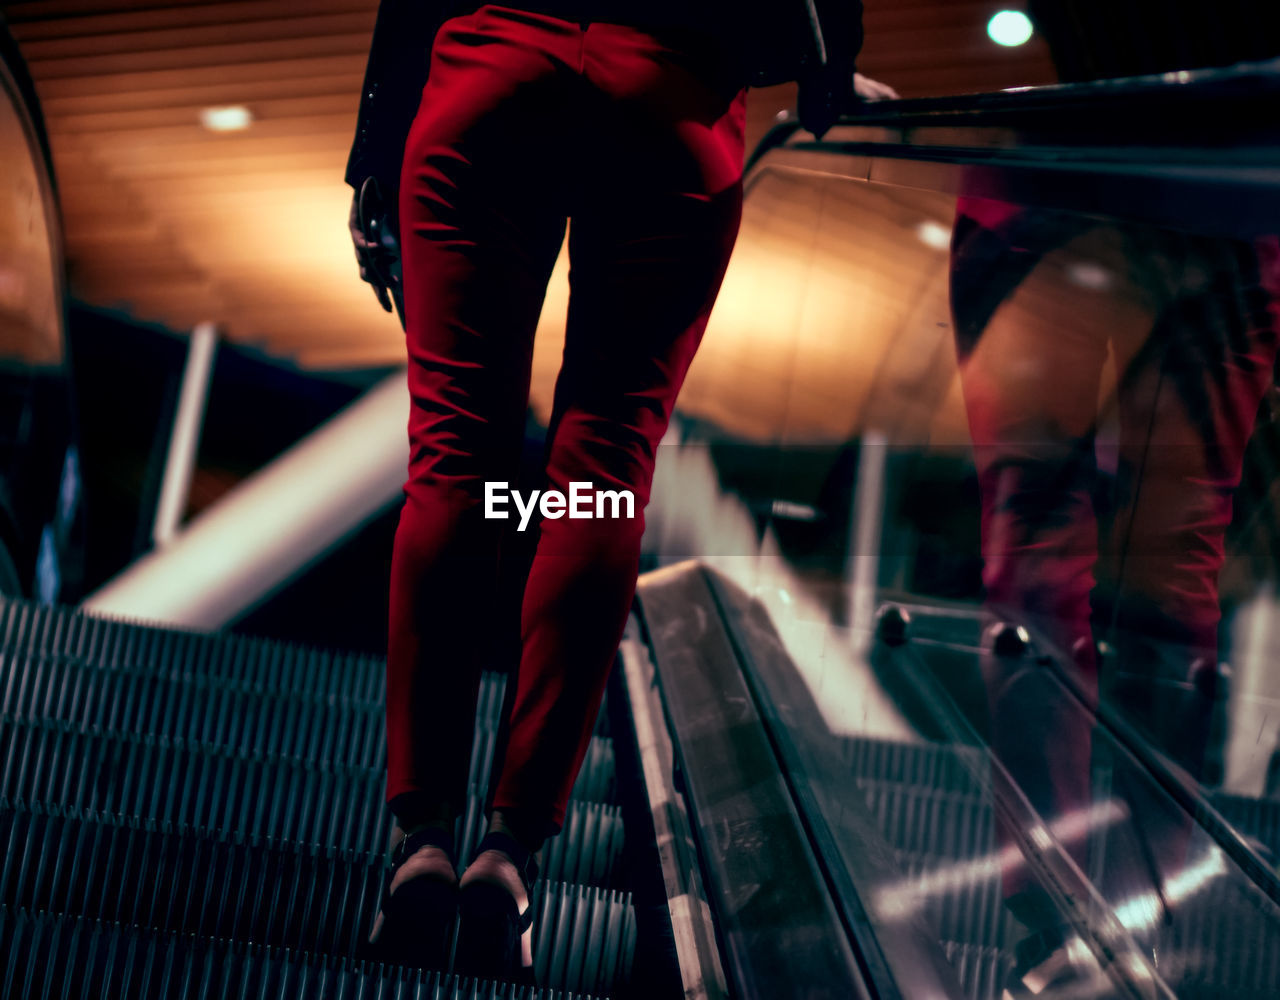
1190, 325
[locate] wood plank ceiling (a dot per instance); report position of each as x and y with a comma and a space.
175, 224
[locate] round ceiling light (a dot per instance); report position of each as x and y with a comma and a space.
235, 118
1010, 28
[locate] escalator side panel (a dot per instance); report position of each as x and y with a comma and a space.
779, 929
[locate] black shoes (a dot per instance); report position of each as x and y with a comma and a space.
418, 916
490, 926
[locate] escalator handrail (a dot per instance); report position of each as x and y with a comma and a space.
1118, 953
1110, 105
1179, 785
1194, 150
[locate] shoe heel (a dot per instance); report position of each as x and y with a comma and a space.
488, 933
422, 913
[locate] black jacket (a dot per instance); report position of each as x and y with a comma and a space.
814, 41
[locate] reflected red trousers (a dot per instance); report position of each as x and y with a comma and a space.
528, 120
1193, 326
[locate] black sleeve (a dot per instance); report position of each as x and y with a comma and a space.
399, 58
826, 88
841, 22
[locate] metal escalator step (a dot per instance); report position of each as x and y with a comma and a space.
322, 734
924, 821
43, 648
169, 702
588, 850
1228, 940
60, 636
85, 696
928, 765
284, 799
247, 889
263, 892
959, 900
593, 940
981, 970
45, 955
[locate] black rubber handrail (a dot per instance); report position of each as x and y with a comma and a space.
1109, 103
1179, 786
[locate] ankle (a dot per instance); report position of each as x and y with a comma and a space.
415, 810
512, 824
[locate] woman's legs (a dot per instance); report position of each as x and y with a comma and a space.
654, 180
657, 203
1030, 366
482, 220
656, 210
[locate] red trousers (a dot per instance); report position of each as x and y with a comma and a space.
528, 120
1192, 325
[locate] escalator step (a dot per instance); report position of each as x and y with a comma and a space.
230, 787
1229, 940
959, 900
261, 891
252, 725
63, 637
1216, 948
43, 955
981, 970
935, 823
314, 725
943, 768
284, 798
54, 659
927, 765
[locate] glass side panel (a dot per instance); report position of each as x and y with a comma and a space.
1003, 418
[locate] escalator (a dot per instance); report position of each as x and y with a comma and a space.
195, 815
797, 786
902, 834
191, 815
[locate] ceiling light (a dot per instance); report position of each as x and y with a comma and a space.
234, 118
934, 234
1009, 27
1090, 275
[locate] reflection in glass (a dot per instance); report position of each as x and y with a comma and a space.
1043, 302
1002, 419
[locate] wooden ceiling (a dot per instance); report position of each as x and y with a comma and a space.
175, 224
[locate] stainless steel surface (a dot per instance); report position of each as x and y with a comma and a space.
779, 927
692, 925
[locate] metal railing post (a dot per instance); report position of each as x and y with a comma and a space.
180, 462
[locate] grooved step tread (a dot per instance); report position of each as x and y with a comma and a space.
41, 646
285, 798
253, 889
48, 955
